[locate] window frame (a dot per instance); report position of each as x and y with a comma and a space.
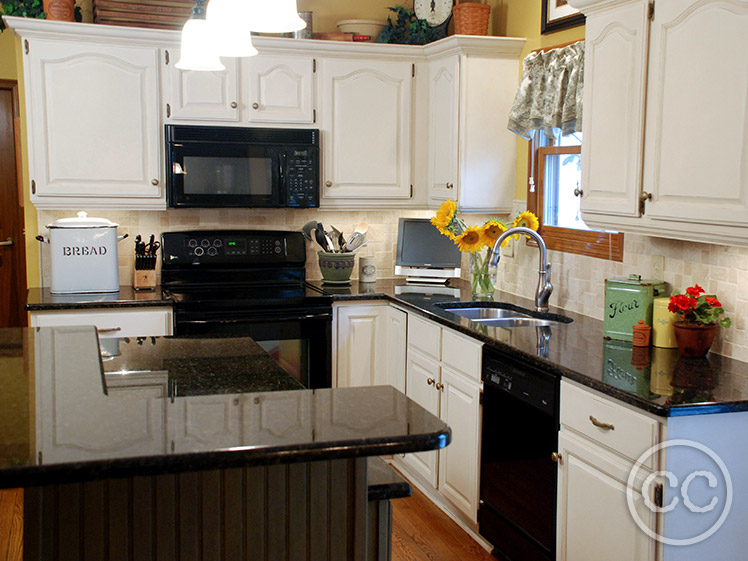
592, 243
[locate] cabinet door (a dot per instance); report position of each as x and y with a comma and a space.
422, 376
614, 101
459, 463
371, 346
366, 124
592, 503
131, 322
95, 127
696, 164
280, 89
444, 92
200, 96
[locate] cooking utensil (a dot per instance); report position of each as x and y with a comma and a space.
319, 236
361, 227
355, 241
329, 246
307, 228
336, 237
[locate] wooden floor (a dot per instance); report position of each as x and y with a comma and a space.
11, 524
420, 531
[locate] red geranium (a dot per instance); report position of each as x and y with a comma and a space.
694, 307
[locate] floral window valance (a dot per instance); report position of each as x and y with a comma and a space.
549, 97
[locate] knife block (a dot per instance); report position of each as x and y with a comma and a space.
144, 279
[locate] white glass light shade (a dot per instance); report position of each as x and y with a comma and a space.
198, 47
275, 16
228, 21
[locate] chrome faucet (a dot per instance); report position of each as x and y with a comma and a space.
543, 292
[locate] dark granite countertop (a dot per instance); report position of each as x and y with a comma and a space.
41, 299
165, 405
653, 379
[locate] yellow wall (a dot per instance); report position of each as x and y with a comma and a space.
514, 18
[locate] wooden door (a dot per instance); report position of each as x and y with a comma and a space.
281, 89
12, 256
443, 129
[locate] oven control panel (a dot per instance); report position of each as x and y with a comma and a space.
229, 247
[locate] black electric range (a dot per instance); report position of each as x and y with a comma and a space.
251, 283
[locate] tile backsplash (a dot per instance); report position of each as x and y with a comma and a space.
578, 281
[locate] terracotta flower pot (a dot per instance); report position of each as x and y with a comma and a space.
60, 10
694, 339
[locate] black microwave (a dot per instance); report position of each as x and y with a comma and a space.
241, 167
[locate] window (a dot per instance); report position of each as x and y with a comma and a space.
554, 170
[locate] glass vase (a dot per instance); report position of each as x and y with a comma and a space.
482, 276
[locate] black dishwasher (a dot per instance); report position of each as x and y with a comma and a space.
517, 511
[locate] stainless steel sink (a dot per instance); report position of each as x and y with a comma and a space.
495, 315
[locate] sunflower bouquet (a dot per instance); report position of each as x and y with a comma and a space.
472, 239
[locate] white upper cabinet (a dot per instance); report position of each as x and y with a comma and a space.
200, 96
365, 119
280, 89
471, 152
94, 127
665, 124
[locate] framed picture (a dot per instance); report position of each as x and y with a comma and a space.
557, 15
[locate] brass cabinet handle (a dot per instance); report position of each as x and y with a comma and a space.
601, 425
255, 106
440, 387
450, 185
556, 457
154, 181
645, 196
328, 183
578, 192
108, 329
430, 381
234, 105
7, 243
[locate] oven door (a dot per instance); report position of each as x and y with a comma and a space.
212, 174
298, 340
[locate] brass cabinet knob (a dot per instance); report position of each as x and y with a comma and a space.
255, 106
645, 196
450, 185
556, 457
430, 381
578, 192
328, 183
440, 387
154, 181
234, 105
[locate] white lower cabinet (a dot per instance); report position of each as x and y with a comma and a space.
122, 322
443, 377
599, 443
370, 345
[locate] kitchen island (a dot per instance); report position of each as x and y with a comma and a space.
176, 448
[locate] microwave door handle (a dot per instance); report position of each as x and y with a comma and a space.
282, 186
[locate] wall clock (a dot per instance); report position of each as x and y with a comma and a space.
436, 13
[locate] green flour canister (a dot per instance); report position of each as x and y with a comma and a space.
626, 302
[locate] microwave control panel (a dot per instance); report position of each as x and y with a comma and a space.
302, 183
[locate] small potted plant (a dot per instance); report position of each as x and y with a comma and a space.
22, 8
700, 315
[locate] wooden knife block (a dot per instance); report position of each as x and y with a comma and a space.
144, 279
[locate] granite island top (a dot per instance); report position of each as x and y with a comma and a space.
657, 380
72, 411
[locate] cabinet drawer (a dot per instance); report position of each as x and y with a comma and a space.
461, 353
606, 422
111, 323
424, 336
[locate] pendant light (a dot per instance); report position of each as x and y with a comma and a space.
276, 16
198, 43
228, 22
